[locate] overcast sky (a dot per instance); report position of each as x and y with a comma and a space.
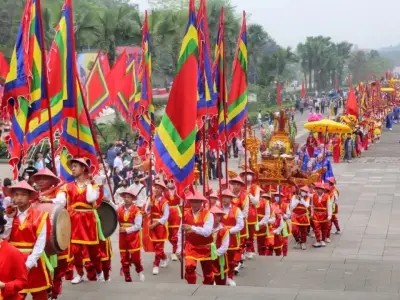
366, 23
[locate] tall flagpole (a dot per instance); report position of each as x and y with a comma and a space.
44, 63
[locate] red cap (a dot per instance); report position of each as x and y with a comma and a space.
45, 173
128, 192
228, 193
237, 179
319, 185
160, 183
213, 195
305, 189
79, 160
196, 196
22, 185
248, 171
216, 211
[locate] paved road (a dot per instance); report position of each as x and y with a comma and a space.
361, 263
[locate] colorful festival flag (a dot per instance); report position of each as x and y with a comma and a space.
97, 93
115, 76
76, 137
237, 101
220, 80
206, 104
175, 138
25, 89
145, 115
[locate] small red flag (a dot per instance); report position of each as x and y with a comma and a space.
351, 104
116, 75
278, 95
4, 66
303, 89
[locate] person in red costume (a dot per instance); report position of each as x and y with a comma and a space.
49, 186
336, 144
233, 221
253, 191
335, 207
311, 143
175, 215
321, 212
197, 223
264, 219
274, 239
284, 208
158, 209
82, 196
221, 240
30, 239
13, 274
130, 223
241, 200
300, 217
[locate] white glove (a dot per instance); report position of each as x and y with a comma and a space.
277, 231
329, 218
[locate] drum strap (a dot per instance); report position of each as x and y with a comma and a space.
47, 261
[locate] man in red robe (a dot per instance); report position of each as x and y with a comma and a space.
321, 214
197, 223
158, 209
30, 238
82, 195
49, 186
13, 274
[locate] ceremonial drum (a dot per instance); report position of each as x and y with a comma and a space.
108, 218
60, 230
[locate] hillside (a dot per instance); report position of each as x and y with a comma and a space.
392, 52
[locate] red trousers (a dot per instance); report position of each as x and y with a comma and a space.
335, 222
59, 273
69, 274
300, 233
159, 253
106, 265
285, 242
274, 244
321, 230
262, 245
93, 251
207, 268
219, 281
250, 239
233, 260
128, 259
35, 296
173, 238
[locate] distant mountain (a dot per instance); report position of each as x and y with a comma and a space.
390, 48
392, 52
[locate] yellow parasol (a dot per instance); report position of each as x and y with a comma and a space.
327, 126
387, 90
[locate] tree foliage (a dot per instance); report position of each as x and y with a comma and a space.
367, 65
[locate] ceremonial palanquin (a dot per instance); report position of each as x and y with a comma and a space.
277, 165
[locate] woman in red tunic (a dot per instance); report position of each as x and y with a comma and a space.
13, 275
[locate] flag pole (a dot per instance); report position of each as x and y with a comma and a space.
245, 151
93, 132
203, 131
44, 63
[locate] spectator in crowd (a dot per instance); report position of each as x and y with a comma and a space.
30, 170
111, 155
39, 165
118, 161
117, 177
